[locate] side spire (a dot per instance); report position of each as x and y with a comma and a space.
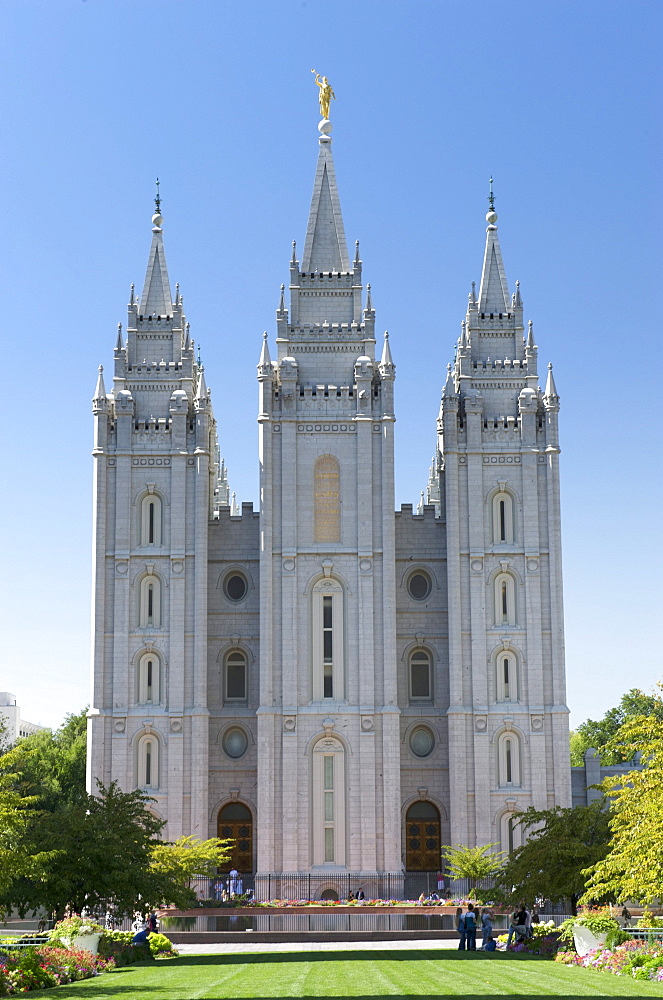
100, 391
325, 248
551, 389
493, 292
156, 299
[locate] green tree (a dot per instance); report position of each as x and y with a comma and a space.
602, 733
562, 842
473, 863
18, 859
633, 866
177, 863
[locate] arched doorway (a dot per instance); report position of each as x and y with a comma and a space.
422, 838
236, 823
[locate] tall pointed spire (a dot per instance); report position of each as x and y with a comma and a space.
551, 388
325, 248
386, 358
155, 300
493, 292
100, 391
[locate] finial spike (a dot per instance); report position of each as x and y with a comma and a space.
281, 301
491, 196
132, 294
293, 259
369, 299
157, 199
356, 251
118, 344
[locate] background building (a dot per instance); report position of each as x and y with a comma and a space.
15, 726
338, 687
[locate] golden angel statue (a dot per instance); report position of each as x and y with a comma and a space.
326, 93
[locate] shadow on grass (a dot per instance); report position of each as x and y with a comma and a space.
397, 955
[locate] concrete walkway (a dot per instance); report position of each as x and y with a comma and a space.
250, 948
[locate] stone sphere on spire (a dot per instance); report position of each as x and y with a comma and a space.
491, 217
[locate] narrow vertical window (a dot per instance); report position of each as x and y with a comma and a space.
150, 604
509, 828
505, 667
150, 520
508, 762
149, 680
505, 602
327, 647
502, 521
236, 676
327, 680
328, 779
148, 762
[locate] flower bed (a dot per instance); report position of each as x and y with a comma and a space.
40, 968
633, 958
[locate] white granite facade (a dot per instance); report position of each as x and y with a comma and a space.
342, 687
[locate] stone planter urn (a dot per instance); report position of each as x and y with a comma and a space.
585, 941
87, 942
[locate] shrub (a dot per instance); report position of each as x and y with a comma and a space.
160, 945
617, 936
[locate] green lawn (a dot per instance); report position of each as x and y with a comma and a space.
366, 974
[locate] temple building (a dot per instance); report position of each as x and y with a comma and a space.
339, 686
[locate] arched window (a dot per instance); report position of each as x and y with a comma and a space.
235, 823
505, 599
148, 761
149, 680
422, 838
327, 621
150, 602
235, 679
327, 499
508, 763
420, 675
503, 533
150, 521
328, 780
511, 832
506, 677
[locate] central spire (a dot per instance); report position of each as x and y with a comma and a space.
325, 248
156, 300
494, 292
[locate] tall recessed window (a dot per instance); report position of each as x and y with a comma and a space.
511, 836
505, 599
148, 761
327, 626
327, 499
506, 666
508, 764
420, 675
328, 779
149, 676
150, 524
150, 602
235, 676
503, 532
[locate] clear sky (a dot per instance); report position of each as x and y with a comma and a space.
560, 101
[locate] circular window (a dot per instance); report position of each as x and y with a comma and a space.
422, 742
235, 742
235, 587
419, 586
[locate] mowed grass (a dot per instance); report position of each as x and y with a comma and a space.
366, 974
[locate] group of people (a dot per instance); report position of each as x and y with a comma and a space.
473, 920
234, 886
467, 925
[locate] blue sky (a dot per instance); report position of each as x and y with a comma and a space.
559, 101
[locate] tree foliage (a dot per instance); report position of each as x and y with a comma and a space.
562, 842
633, 867
473, 863
175, 864
18, 858
602, 734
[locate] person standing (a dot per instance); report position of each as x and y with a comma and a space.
470, 928
460, 927
486, 927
